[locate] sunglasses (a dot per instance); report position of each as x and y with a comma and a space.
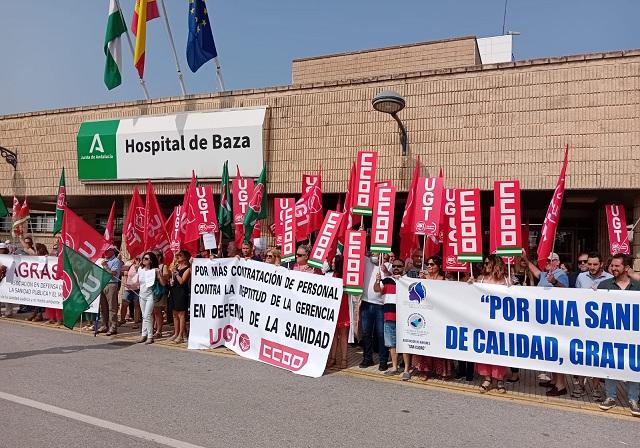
269, 256
431, 264
582, 261
398, 265
301, 255
146, 258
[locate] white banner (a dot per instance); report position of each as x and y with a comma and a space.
573, 331
264, 312
31, 281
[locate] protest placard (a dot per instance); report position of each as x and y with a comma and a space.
264, 312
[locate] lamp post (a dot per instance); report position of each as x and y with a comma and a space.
391, 102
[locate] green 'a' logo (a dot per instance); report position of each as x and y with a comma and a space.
97, 150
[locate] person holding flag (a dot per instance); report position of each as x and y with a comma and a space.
112, 265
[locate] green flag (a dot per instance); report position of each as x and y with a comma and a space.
60, 205
84, 280
257, 207
3, 209
225, 217
113, 46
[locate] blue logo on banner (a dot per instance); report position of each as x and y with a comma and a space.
416, 321
417, 292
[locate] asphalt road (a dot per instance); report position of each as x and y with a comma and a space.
140, 392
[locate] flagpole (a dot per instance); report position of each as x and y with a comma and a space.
142, 84
626, 239
424, 246
173, 47
219, 74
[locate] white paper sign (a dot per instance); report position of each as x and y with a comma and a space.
209, 240
572, 331
264, 312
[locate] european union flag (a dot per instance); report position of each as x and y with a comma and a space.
200, 45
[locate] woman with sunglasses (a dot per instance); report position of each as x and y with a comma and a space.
179, 294
494, 273
429, 364
148, 274
273, 256
160, 306
302, 259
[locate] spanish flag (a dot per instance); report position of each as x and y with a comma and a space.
144, 11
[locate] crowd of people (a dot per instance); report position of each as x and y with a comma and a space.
154, 294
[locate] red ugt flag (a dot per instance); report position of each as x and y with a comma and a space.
155, 234
133, 232
408, 239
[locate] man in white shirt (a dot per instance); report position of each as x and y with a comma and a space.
372, 317
595, 273
590, 278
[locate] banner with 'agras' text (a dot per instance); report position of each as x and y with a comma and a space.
264, 312
32, 281
572, 331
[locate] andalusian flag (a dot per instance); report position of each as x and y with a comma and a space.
144, 11
60, 205
257, 207
3, 209
83, 281
113, 46
225, 216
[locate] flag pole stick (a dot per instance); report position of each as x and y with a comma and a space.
173, 47
626, 238
424, 246
142, 83
219, 74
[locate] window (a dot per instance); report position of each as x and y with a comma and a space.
101, 223
39, 223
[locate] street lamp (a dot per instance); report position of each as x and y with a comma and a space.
391, 102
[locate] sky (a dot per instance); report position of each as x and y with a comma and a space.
51, 52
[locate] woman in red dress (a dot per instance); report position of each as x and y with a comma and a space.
494, 273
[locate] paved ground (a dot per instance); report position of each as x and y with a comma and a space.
144, 392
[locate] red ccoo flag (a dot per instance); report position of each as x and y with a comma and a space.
350, 219
81, 237
550, 224
309, 215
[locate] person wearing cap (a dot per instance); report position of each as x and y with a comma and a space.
109, 296
551, 277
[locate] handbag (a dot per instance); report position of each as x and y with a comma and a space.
158, 290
